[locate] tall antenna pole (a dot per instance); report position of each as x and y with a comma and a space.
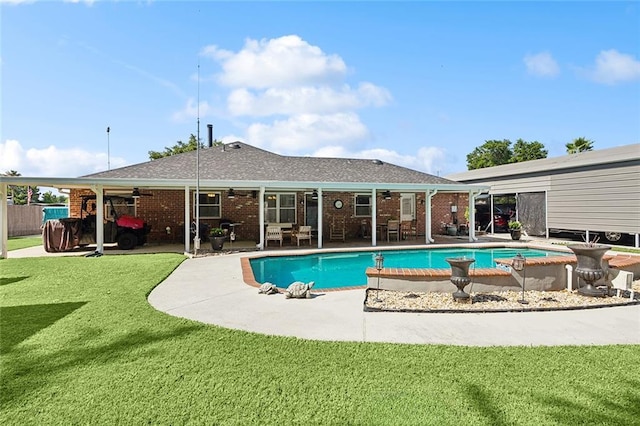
196, 242
108, 150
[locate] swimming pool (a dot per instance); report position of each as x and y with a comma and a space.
347, 269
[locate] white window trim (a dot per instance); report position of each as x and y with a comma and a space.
278, 207
219, 193
355, 205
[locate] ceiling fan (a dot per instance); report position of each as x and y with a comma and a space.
137, 194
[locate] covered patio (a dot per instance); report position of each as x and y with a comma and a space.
255, 188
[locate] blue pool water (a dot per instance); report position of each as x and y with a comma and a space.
347, 269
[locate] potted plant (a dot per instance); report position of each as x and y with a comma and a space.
217, 237
515, 228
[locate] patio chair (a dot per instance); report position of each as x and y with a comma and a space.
409, 229
303, 233
274, 233
393, 227
336, 230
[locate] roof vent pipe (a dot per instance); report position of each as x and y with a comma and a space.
210, 130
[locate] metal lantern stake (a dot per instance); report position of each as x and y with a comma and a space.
519, 264
379, 259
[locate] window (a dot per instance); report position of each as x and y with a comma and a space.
122, 202
363, 204
280, 208
209, 205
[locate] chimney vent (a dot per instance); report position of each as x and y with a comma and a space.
210, 130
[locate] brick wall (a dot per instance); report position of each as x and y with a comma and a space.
165, 208
441, 210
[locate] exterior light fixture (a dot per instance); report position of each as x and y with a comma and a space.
231, 193
314, 195
387, 195
519, 263
135, 193
379, 264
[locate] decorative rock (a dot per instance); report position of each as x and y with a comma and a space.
299, 290
267, 288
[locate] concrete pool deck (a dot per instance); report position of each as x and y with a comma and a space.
211, 290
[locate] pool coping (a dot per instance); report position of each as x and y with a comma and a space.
249, 278
210, 290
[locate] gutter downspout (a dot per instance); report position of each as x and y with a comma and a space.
374, 218
261, 216
320, 219
472, 216
187, 220
427, 233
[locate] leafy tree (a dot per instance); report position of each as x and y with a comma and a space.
179, 148
579, 145
491, 153
495, 153
525, 151
19, 194
50, 198
12, 188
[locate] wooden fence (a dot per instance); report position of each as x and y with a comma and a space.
24, 220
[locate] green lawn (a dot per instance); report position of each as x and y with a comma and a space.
15, 243
80, 345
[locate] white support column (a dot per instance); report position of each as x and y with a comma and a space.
187, 219
4, 223
99, 218
428, 195
374, 218
261, 216
320, 216
472, 216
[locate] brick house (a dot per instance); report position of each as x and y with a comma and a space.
251, 188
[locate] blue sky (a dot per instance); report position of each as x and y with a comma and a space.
419, 84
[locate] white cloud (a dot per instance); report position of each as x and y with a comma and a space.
301, 88
613, 67
541, 65
190, 111
88, 2
287, 61
427, 159
17, 1
53, 161
306, 99
303, 132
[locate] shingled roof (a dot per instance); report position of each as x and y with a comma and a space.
239, 161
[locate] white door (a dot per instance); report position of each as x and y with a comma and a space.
407, 207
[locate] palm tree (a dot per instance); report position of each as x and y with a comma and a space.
579, 145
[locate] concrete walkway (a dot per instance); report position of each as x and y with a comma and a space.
211, 290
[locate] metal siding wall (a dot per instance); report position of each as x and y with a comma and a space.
597, 200
528, 184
